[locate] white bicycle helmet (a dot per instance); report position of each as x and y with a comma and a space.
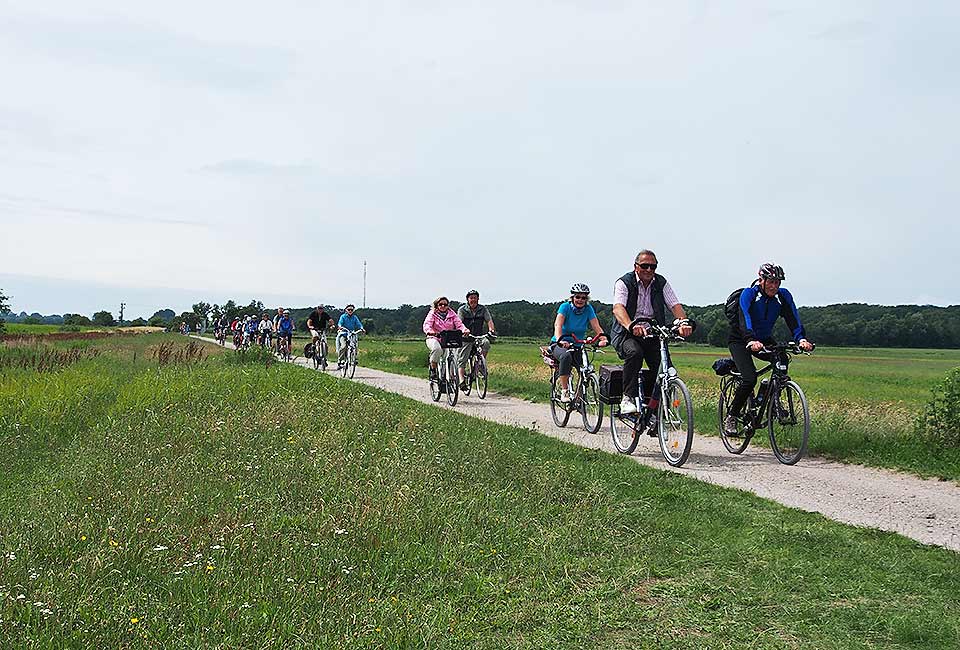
771, 271
579, 287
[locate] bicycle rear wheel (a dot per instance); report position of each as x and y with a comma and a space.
591, 408
624, 429
735, 445
789, 423
453, 385
675, 423
559, 411
481, 377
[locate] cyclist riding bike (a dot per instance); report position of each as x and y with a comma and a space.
285, 329
348, 322
265, 330
642, 294
317, 322
250, 328
569, 326
752, 312
478, 320
439, 319
276, 322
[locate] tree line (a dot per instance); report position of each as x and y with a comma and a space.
848, 324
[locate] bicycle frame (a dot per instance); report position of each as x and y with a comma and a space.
665, 372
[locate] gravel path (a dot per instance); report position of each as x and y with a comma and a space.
927, 510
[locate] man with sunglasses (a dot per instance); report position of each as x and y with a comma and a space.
751, 327
642, 294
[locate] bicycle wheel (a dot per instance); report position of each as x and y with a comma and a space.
675, 423
471, 374
789, 423
352, 360
624, 430
316, 357
345, 365
453, 385
323, 352
728, 386
559, 411
591, 408
481, 377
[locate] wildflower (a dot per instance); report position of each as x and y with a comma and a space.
372, 600
339, 531
114, 542
149, 520
83, 538
160, 547
209, 568
134, 620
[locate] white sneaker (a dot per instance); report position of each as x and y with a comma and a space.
628, 406
565, 396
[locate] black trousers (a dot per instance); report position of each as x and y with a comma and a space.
748, 375
634, 352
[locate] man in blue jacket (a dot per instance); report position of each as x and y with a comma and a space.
757, 311
347, 323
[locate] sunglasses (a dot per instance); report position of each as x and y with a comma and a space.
648, 267
442, 304
581, 296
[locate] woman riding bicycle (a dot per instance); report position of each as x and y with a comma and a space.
440, 319
571, 325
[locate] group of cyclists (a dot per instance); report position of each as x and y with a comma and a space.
642, 297
473, 320
270, 332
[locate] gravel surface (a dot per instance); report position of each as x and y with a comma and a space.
926, 510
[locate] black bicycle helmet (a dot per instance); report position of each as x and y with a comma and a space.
579, 287
473, 292
771, 271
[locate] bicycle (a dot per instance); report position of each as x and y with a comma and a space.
477, 375
221, 335
779, 405
666, 414
237, 339
349, 365
283, 347
447, 376
584, 386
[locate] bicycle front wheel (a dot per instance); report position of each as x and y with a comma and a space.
481, 378
591, 408
559, 411
789, 423
675, 423
453, 385
352, 361
735, 445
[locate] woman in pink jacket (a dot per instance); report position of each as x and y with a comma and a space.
439, 319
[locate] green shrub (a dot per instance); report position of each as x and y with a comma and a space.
940, 420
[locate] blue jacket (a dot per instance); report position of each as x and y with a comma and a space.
758, 315
351, 323
285, 325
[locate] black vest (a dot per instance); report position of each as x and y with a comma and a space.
618, 332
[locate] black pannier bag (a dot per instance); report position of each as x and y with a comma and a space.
451, 339
611, 384
724, 366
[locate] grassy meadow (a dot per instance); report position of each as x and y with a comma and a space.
157, 495
862, 401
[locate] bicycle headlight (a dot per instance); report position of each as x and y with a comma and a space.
781, 366
671, 372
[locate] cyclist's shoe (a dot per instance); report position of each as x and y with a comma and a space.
565, 395
652, 426
433, 374
627, 406
464, 385
731, 427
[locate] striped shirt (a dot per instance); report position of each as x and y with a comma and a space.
644, 298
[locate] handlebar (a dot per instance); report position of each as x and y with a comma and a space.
792, 347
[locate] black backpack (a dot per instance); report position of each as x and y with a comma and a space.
731, 308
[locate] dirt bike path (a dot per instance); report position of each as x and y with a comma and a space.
926, 510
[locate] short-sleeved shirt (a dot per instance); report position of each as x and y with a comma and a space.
475, 319
350, 322
319, 320
644, 298
575, 321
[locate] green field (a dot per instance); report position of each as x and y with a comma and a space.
863, 401
233, 503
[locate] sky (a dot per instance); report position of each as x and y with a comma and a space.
161, 154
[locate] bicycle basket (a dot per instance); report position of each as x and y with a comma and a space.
451, 339
611, 384
547, 357
724, 366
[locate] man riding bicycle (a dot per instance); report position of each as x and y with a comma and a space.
752, 312
570, 325
265, 330
348, 322
285, 329
642, 294
317, 322
477, 319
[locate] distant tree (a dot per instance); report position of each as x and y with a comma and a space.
76, 319
157, 321
164, 316
719, 333
230, 309
139, 322
103, 318
32, 320
4, 308
201, 310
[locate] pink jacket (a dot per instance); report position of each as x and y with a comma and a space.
434, 322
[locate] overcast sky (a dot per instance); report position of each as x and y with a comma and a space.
159, 153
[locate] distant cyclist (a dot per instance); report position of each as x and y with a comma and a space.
642, 293
752, 318
276, 321
348, 322
570, 325
250, 328
440, 319
265, 329
317, 322
285, 329
478, 320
